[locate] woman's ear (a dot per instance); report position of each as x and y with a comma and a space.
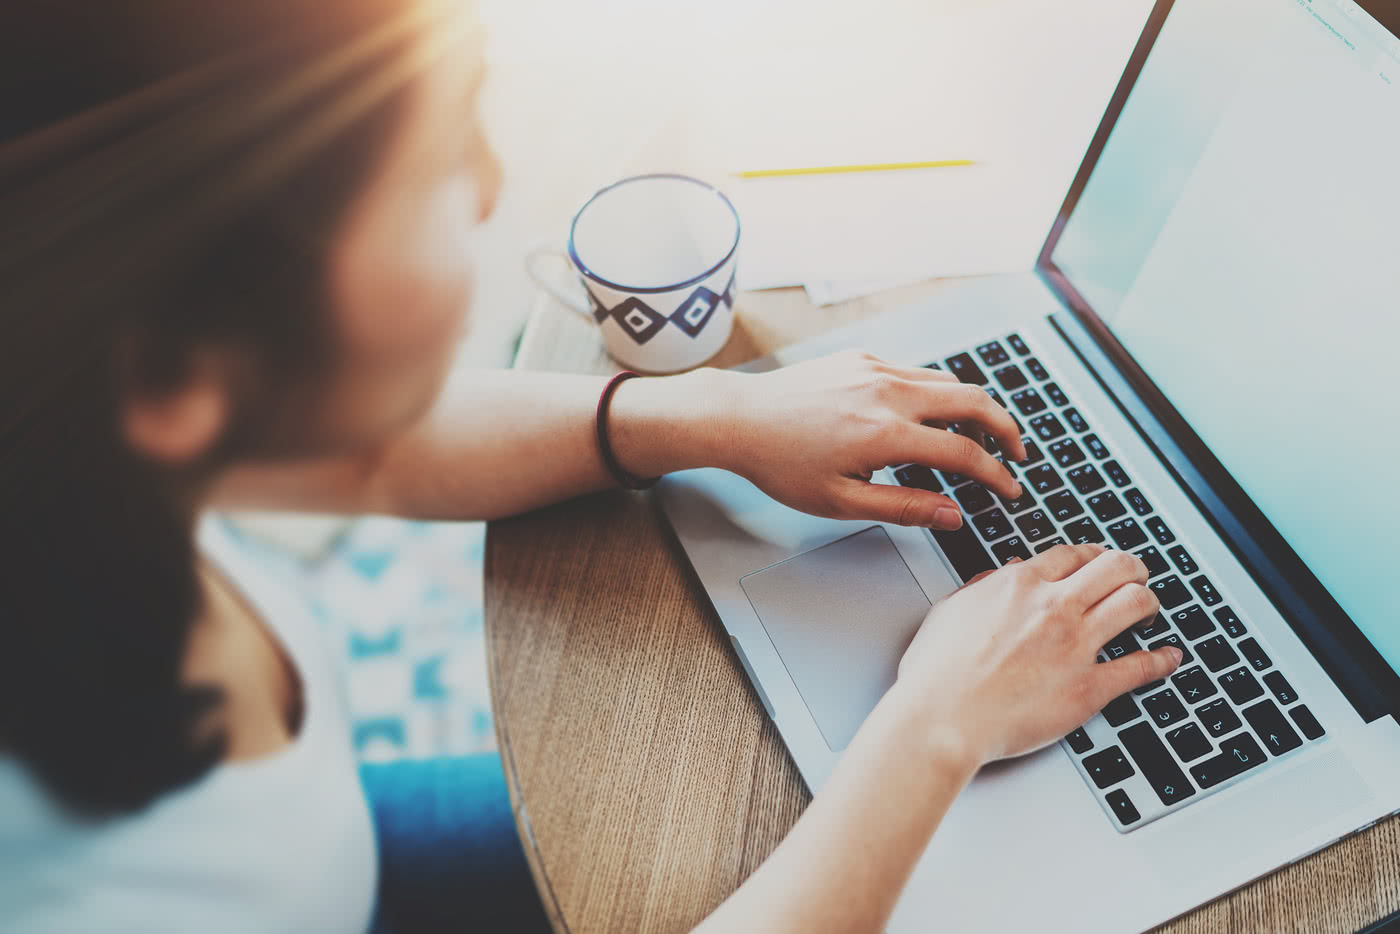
179, 425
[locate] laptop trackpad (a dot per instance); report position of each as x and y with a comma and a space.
840, 617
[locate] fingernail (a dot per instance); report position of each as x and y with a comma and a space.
1175, 653
946, 517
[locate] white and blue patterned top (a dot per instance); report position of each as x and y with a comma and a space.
283, 843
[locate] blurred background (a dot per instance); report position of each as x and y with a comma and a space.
582, 94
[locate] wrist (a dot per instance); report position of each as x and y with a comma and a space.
657, 425
935, 734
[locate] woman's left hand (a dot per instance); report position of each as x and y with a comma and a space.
812, 434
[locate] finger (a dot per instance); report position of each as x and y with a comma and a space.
955, 453
1129, 604
925, 374
1132, 671
1103, 575
1063, 560
970, 405
899, 505
984, 574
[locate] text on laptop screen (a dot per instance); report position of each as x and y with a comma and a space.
1240, 235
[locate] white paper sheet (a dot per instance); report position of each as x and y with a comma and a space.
1017, 85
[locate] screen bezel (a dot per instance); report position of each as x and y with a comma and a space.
1370, 683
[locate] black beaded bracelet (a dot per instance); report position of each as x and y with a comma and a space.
600, 422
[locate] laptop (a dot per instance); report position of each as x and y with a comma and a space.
1201, 366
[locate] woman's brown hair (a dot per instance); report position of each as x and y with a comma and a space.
172, 173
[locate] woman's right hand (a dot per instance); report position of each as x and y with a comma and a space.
1008, 662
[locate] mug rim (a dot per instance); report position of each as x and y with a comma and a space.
653, 290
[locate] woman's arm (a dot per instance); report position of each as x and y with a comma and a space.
500, 442
1002, 667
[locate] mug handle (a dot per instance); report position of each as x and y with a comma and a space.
571, 302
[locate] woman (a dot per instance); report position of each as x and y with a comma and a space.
231, 274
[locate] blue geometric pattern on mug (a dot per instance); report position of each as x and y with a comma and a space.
641, 322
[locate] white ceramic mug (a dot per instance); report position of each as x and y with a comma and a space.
656, 256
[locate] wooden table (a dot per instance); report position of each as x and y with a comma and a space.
647, 780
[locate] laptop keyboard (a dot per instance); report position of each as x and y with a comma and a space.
1228, 709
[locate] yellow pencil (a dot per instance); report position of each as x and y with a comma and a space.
841, 169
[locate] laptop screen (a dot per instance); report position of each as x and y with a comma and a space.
1240, 236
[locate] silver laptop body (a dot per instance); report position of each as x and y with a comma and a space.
1162, 264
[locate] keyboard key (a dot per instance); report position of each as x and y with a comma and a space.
1043, 479
1011, 377
1017, 344
1192, 622
1229, 622
1156, 564
1123, 644
1083, 532
955, 479
964, 552
1182, 559
1170, 591
1164, 708
1139, 502
1033, 452
1152, 628
1175, 641
1271, 728
1028, 401
1254, 654
1019, 504
966, 369
1306, 721
1127, 534
1219, 717
1280, 687
1122, 807
933, 366
1079, 741
1047, 426
1237, 754
1194, 684
1108, 767
1077, 424
994, 396
1035, 525
1051, 543
1057, 396
1217, 653
1120, 710
1148, 688
1063, 505
1066, 452
1189, 742
1085, 478
1038, 372
1159, 531
1095, 447
1156, 763
1012, 547
993, 354
1205, 590
1116, 473
973, 498
919, 477
1240, 685
992, 525
1107, 506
